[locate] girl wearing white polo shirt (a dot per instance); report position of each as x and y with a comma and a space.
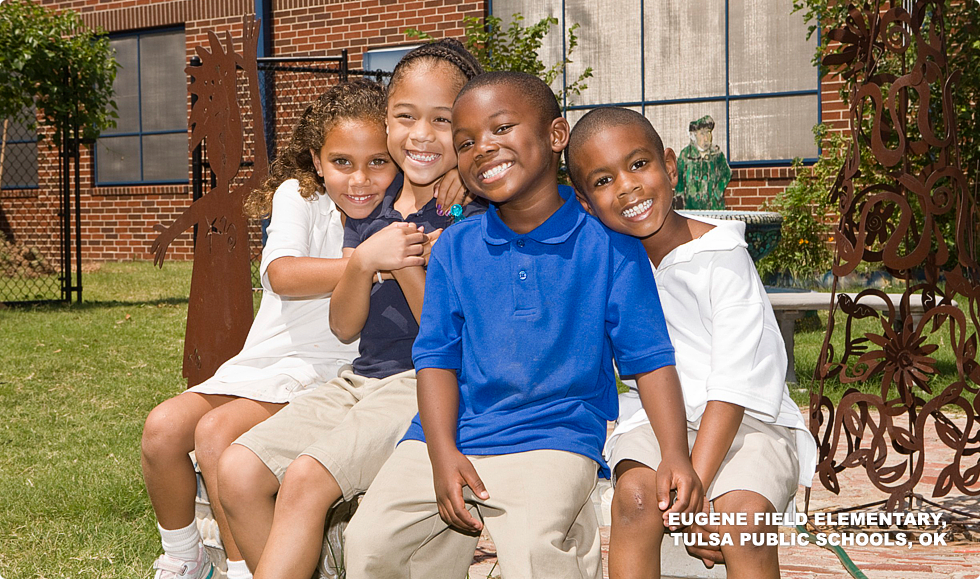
336, 166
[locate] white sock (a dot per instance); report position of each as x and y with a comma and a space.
181, 543
238, 570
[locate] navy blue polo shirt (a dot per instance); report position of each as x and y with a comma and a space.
531, 324
386, 339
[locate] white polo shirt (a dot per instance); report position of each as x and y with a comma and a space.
290, 346
727, 342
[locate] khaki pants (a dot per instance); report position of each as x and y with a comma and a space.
350, 425
539, 515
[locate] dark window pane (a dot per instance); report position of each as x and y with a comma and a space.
126, 86
163, 84
20, 165
165, 157
118, 160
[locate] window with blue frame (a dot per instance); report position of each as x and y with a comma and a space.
19, 155
149, 143
747, 63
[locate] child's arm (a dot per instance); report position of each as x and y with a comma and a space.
438, 393
294, 276
660, 392
411, 280
719, 424
396, 246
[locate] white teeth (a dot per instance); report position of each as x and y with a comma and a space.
359, 198
422, 157
497, 170
637, 209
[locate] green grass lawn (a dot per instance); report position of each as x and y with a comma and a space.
76, 383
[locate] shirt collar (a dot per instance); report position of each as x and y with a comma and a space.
726, 236
388, 201
556, 229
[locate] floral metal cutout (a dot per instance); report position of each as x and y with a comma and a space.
913, 216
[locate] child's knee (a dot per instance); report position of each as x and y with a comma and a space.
635, 498
166, 431
242, 476
213, 435
307, 483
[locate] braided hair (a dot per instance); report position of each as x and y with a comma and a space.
448, 50
360, 100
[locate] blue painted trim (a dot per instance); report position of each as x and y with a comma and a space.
643, 65
819, 90
697, 99
728, 90
564, 55
771, 163
139, 183
20, 187
139, 108
147, 133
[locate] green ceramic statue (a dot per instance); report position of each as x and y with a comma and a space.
703, 171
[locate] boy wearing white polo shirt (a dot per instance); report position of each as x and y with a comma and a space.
749, 443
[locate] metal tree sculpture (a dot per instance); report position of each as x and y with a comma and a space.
902, 119
219, 311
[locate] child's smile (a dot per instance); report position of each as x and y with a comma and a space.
626, 184
503, 146
419, 128
355, 166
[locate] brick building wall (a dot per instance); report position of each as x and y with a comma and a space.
118, 222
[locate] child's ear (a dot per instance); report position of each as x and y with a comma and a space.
316, 162
670, 165
584, 202
559, 134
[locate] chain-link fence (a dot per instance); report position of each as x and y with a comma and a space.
31, 239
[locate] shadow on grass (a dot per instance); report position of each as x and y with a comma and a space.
90, 305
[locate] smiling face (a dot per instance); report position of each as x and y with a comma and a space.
355, 166
626, 184
506, 148
419, 121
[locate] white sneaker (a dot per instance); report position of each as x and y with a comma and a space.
172, 568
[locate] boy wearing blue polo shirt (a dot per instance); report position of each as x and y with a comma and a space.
524, 310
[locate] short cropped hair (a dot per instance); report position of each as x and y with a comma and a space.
530, 87
601, 119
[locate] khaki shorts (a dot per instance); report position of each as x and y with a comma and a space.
350, 425
762, 459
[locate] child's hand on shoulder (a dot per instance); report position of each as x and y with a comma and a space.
677, 474
449, 191
451, 471
396, 246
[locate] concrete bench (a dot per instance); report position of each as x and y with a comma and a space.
790, 305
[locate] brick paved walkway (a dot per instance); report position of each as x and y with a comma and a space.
958, 559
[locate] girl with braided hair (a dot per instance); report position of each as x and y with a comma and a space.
279, 480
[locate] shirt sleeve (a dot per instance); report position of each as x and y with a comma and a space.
634, 319
748, 358
439, 341
289, 228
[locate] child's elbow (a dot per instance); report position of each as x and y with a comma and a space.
343, 331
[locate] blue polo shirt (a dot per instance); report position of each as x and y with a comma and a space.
531, 324
385, 347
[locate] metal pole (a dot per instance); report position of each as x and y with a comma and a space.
197, 161
344, 65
